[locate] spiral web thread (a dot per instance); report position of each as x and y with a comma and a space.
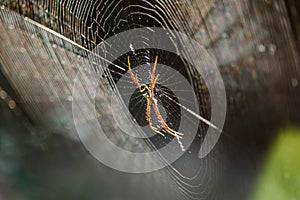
86, 23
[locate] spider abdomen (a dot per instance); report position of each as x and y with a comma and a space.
144, 90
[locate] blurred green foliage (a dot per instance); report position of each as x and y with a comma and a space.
280, 178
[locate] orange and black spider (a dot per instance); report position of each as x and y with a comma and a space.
148, 93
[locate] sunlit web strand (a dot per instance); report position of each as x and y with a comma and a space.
196, 115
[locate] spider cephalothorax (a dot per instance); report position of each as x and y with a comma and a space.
148, 93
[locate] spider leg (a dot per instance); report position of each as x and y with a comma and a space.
152, 82
148, 111
155, 80
164, 125
133, 77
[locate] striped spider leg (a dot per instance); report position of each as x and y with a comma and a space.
148, 93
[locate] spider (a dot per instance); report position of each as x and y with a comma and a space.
148, 94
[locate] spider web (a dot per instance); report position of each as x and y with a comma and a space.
50, 91
84, 25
